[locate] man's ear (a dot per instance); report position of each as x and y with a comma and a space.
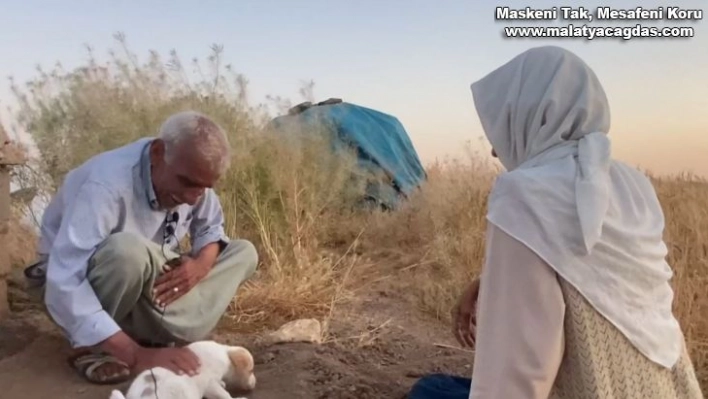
157, 150
241, 358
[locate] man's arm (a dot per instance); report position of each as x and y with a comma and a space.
207, 229
70, 299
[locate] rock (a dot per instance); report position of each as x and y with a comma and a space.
303, 330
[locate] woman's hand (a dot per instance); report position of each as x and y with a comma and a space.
464, 315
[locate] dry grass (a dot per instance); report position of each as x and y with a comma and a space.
22, 242
294, 202
685, 203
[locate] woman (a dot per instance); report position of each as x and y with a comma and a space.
574, 299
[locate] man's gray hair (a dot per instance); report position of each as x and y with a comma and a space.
208, 138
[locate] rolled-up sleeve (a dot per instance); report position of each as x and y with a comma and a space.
71, 301
207, 224
519, 339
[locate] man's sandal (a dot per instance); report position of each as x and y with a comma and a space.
87, 363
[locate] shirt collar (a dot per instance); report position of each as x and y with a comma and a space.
146, 178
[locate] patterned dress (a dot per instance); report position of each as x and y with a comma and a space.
600, 363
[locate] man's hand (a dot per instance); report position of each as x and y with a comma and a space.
178, 360
464, 315
178, 280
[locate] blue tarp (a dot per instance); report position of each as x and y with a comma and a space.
380, 140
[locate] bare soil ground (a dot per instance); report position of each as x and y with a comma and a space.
376, 348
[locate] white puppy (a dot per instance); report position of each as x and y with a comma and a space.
222, 367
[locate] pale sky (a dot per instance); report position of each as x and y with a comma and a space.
414, 59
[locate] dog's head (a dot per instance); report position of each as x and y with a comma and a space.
240, 375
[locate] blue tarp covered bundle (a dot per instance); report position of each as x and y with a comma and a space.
380, 141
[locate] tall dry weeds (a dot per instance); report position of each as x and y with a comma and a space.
277, 194
295, 201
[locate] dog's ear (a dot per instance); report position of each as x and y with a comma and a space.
241, 358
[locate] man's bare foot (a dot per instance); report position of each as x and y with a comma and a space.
98, 367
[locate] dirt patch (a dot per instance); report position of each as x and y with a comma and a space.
16, 334
384, 368
376, 348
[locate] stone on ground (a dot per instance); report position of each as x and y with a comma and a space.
302, 330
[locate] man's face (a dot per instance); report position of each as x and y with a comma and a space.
182, 181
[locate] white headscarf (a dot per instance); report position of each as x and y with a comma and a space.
597, 222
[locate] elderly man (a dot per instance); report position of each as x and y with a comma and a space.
117, 281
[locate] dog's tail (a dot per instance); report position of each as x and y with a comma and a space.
116, 394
